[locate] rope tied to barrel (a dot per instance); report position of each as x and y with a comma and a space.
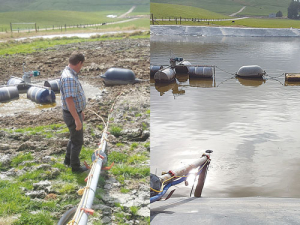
225, 71
274, 78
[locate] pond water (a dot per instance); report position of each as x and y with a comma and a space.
23, 104
253, 126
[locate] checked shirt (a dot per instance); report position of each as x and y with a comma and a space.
71, 87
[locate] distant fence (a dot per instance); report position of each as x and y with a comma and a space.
34, 27
179, 20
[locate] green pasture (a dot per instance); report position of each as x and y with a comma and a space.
251, 22
13, 47
49, 19
170, 10
74, 5
262, 23
227, 7
141, 24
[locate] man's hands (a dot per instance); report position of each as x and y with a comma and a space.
78, 124
72, 109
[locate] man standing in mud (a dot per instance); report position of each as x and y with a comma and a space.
73, 103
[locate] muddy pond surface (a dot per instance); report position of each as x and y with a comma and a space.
23, 104
253, 126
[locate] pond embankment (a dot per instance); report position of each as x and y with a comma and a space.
224, 31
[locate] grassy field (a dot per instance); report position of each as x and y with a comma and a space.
13, 47
47, 14
138, 24
262, 23
227, 7
54, 18
256, 23
49, 19
74, 5
170, 10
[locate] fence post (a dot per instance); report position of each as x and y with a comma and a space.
65, 27
176, 20
152, 19
35, 27
180, 20
10, 27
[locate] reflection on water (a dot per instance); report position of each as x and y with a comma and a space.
291, 83
251, 82
182, 77
23, 104
253, 126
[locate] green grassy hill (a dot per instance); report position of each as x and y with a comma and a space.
164, 11
49, 13
227, 7
73, 5
160, 10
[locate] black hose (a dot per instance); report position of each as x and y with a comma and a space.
67, 216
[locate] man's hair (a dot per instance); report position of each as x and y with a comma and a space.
75, 58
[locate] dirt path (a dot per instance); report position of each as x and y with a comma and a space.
233, 14
129, 11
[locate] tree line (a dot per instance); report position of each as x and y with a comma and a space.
293, 9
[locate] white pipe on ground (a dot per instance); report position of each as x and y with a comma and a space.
93, 186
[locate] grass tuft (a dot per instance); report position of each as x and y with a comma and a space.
20, 158
115, 130
130, 171
117, 157
134, 146
41, 218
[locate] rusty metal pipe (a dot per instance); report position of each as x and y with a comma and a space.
201, 180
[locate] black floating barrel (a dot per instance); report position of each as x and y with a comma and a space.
154, 69
201, 71
118, 76
18, 82
8, 93
182, 67
165, 75
53, 84
41, 95
252, 71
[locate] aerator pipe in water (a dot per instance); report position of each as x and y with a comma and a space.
183, 170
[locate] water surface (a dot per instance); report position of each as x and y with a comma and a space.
252, 126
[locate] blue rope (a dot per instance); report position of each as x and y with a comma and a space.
165, 189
